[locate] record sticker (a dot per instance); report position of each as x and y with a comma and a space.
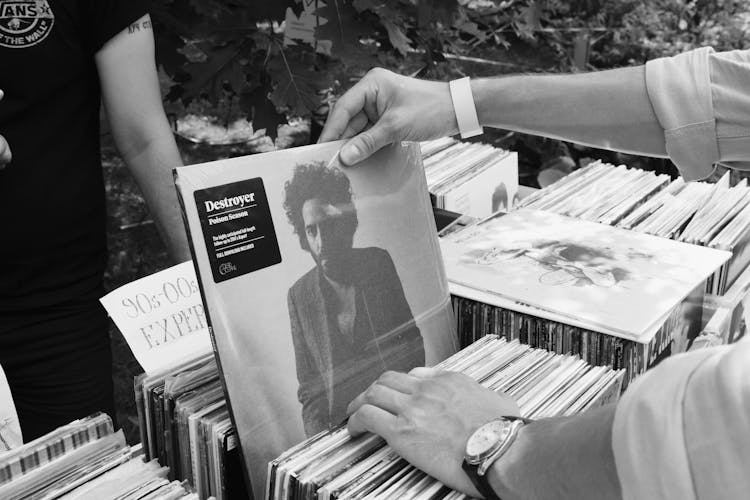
237, 228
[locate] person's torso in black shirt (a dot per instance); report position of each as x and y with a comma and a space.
52, 210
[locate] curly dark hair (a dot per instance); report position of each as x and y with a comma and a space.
311, 181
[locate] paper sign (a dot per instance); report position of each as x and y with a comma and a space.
161, 316
10, 428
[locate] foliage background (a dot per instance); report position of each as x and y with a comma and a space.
223, 60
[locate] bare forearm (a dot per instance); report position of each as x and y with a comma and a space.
131, 96
561, 458
152, 168
607, 109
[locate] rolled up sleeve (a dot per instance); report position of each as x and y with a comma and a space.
683, 429
702, 101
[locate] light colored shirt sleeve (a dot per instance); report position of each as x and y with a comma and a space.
702, 100
682, 430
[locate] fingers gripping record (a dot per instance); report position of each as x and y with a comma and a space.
365, 144
426, 416
370, 418
346, 109
389, 392
360, 113
382, 404
384, 108
357, 124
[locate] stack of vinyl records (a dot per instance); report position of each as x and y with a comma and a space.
82, 460
470, 178
613, 296
712, 215
185, 424
332, 465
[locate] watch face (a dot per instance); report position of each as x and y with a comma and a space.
486, 439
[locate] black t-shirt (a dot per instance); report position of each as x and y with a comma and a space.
52, 211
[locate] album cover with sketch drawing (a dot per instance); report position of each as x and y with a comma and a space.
316, 279
609, 278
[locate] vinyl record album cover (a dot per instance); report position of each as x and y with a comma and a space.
316, 279
607, 277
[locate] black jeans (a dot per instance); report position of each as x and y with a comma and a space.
58, 363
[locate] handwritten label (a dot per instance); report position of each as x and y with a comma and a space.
161, 316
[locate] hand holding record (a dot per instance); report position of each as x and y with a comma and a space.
427, 416
383, 108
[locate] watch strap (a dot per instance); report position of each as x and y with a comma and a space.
481, 483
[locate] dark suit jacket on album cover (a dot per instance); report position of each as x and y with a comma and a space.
387, 340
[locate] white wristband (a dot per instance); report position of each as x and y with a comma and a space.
463, 105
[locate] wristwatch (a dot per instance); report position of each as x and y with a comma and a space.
486, 444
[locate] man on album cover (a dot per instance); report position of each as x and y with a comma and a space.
350, 320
